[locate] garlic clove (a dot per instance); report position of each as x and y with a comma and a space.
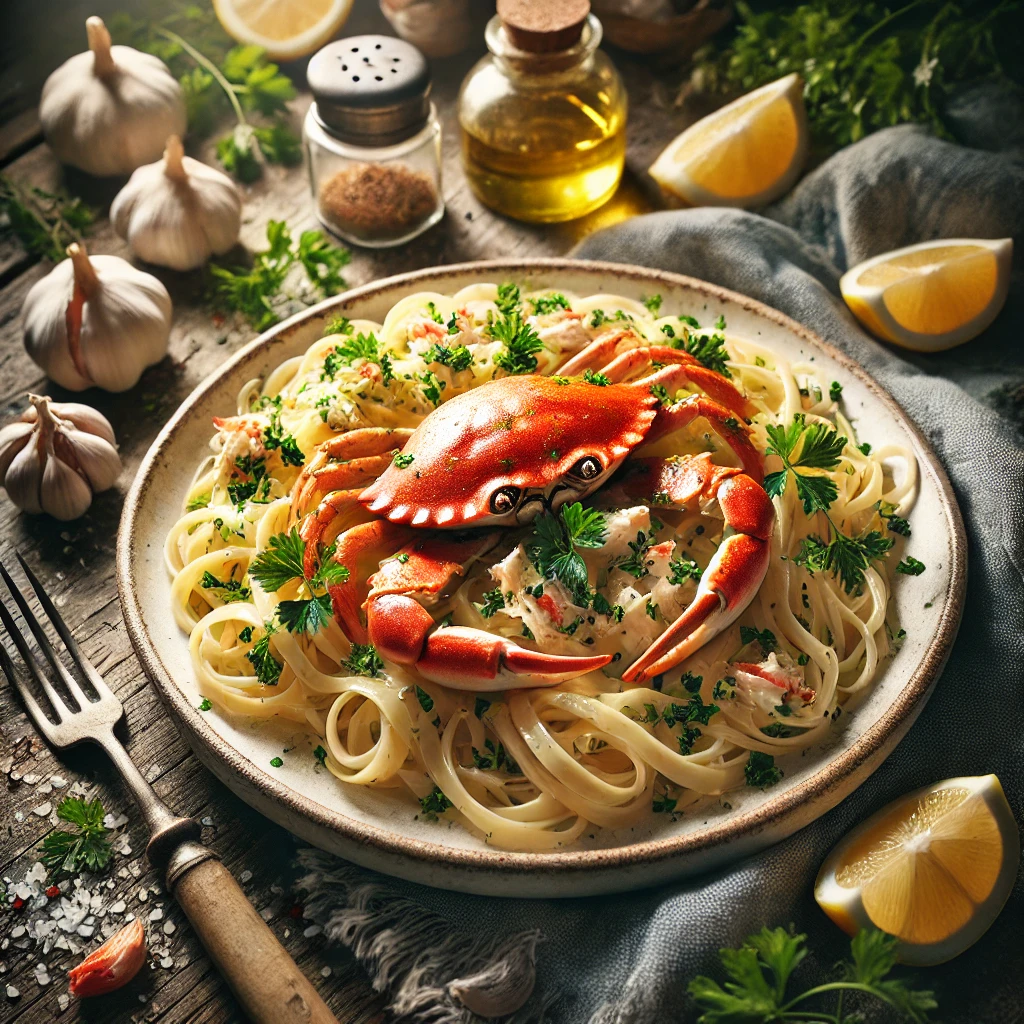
96, 458
13, 438
84, 417
62, 492
505, 984
178, 212
24, 477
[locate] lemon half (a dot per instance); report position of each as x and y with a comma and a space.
933, 295
286, 29
745, 154
934, 868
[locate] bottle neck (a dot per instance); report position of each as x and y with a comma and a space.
525, 65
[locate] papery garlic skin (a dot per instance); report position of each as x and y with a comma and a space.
178, 212
96, 321
57, 457
110, 109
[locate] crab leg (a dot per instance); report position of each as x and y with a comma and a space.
683, 368
337, 512
597, 353
738, 567
404, 631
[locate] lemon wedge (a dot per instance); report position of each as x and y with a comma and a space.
286, 29
745, 154
933, 295
934, 868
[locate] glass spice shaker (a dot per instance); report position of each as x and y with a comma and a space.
543, 116
373, 141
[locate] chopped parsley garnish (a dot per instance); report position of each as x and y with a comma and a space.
275, 439
556, 539
598, 318
660, 392
652, 610
245, 634
494, 759
229, 589
494, 601
549, 303
835, 391
434, 313
403, 461
205, 704
764, 638
707, 349
508, 298
599, 379
481, 705
682, 569
637, 564
320, 754
86, 848
364, 660
760, 770
198, 502
893, 522
601, 605
266, 667
363, 346
281, 563
910, 567
256, 488
276, 762
691, 683
432, 386
695, 710
653, 304
426, 701
457, 358
864, 449
434, 803
339, 325
663, 804
520, 342
847, 558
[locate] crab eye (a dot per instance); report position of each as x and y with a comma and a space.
504, 500
587, 468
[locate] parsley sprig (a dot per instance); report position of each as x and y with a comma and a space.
281, 563
817, 446
520, 342
362, 346
761, 968
557, 539
45, 223
86, 848
256, 291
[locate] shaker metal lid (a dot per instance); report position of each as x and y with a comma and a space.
370, 90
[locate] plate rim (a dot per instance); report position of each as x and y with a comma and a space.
564, 863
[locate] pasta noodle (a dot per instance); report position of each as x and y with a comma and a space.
533, 769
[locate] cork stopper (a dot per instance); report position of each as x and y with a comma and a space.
543, 26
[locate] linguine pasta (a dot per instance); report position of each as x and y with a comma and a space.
532, 769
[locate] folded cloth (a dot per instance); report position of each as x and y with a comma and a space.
628, 958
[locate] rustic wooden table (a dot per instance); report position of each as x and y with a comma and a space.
76, 561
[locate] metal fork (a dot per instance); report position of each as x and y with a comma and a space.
262, 975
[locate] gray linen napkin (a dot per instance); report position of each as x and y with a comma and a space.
628, 958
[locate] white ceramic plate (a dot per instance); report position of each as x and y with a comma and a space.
378, 829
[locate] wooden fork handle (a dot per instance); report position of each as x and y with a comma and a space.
265, 979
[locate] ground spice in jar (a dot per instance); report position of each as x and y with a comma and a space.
378, 200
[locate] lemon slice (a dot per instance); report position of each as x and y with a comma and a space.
933, 295
286, 29
746, 154
934, 868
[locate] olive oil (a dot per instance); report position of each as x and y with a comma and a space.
543, 133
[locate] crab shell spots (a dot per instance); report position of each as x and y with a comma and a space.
524, 432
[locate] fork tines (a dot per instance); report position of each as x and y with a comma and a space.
62, 726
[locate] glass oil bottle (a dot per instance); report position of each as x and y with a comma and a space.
543, 116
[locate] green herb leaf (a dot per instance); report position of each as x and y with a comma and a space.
266, 667
760, 770
764, 638
86, 848
45, 223
364, 660
910, 566
457, 358
434, 803
520, 342
508, 300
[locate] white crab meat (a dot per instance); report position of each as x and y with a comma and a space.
777, 679
565, 335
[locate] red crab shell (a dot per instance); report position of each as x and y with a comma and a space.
498, 435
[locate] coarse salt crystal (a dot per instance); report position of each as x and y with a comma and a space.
31, 779
12, 992
18, 816
156, 915
266, 913
42, 975
313, 929
58, 781
325, 972
245, 876
118, 907
112, 821
169, 928
63, 1000
86, 930
45, 789
167, 962
143, 895
16, 933
43, 809
208, 821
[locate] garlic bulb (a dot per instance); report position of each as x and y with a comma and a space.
56, 457
110, 109
96, 322
178, 212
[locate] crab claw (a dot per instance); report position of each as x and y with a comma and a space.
728, 585
471, 659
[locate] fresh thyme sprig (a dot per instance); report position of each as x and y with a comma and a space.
760, 971
45, 223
